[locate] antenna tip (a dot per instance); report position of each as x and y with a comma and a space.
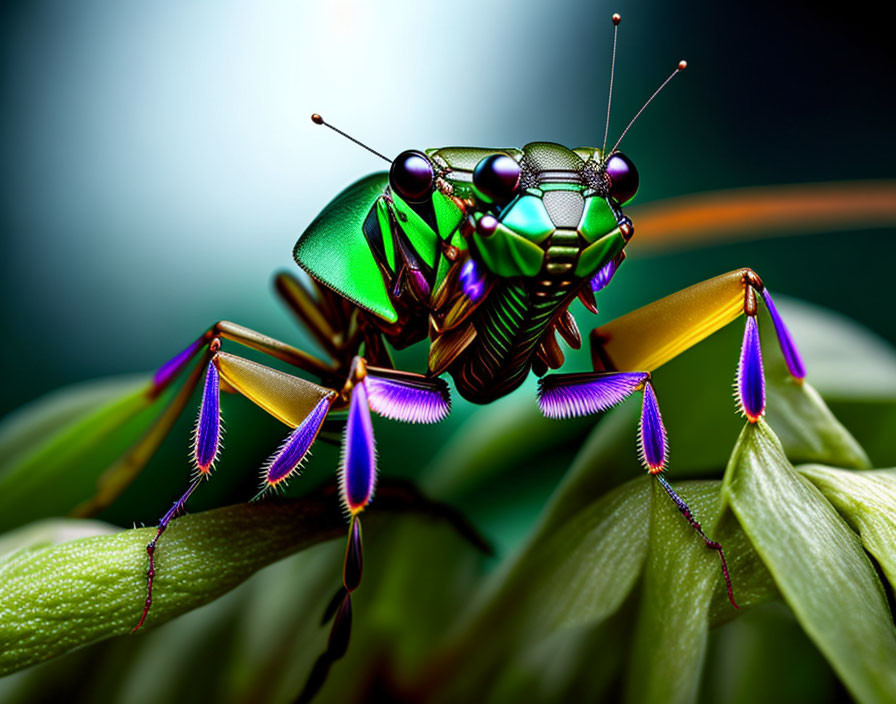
317, 119
682, 65
617, 18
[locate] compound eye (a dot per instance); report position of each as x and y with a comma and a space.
623, 178
496, 178
411, 176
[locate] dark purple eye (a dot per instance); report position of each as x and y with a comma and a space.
496, 178
623, 177
411, 176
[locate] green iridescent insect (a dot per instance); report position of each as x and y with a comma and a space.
480, 252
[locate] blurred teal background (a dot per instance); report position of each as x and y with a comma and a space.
160, 163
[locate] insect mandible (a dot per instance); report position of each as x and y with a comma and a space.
481, 252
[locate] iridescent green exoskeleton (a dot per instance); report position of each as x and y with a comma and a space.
479, 252
482, 251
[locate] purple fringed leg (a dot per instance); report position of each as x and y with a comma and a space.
573, 395
206, 443
406, 397
357, 483
785, 340
358, 474
288, 458
750, 377
207, 434
174, 366
653, 444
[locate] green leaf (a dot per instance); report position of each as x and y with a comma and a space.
48, 532
61, 597
817, 562
57, 598
685, 594
852, 368
32, 424
867, 500
57, 448
679, 581
572, 577
845, 359
752, 583
807, 429
764, 656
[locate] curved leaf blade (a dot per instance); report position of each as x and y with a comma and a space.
817, 563
569, 580
61, 597
60, 446
680, 577
867, 500
31, 424
57, 598
806, 427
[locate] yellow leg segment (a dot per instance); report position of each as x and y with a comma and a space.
648, 337
286, 397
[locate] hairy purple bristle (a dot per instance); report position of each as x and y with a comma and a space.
472, 280
407, 402
653, 444
602, 277
176, 364
358, 475
785, 340
750, 377
572, 395
207, 436
289, 456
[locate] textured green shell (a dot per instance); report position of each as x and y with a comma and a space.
506, 254
596, 255
334, 250
419, 234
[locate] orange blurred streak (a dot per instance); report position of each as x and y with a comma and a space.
767, 211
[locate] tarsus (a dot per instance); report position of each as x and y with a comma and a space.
711, 544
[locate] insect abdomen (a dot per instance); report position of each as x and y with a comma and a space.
509, 327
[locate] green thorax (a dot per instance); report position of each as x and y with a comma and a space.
558, 225
386, 255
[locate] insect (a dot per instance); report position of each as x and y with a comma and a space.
480, 252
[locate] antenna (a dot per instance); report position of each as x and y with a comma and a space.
682, 65
318, 120
617, 18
